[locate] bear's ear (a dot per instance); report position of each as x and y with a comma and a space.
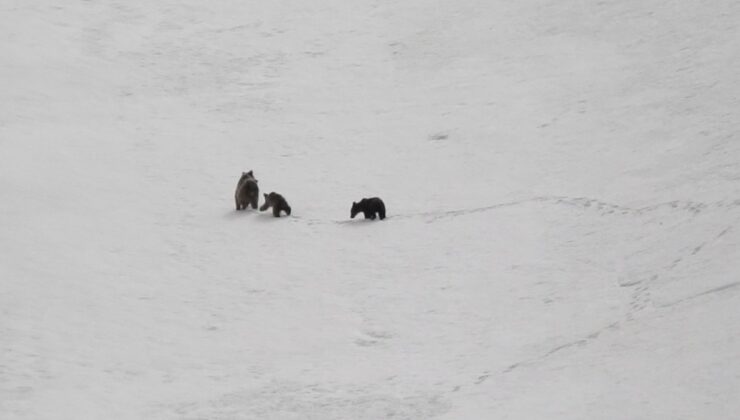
244, 173
265, 195
354, 204
250, 173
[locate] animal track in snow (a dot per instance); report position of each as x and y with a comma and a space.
602, 207
372, 337
586, 203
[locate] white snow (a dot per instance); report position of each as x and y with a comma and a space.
562, 181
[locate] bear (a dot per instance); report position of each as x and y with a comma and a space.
369, 206
247, 191
277, 202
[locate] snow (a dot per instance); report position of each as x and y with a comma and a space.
561, 181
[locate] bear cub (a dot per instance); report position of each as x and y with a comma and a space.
369, 207
247, 191
277, 202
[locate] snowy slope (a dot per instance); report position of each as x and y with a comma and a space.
561, 180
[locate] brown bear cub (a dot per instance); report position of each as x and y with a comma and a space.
277, 202
247, 191
369, 207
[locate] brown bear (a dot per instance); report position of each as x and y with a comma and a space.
247, 191
369, 207
277, 202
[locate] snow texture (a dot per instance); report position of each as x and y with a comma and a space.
562, 181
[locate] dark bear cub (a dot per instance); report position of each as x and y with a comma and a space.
277, 202
247, 191
369, 207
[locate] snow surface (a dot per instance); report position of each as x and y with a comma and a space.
562, 180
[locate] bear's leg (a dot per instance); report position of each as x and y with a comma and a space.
255, 199
276, 211
237, 204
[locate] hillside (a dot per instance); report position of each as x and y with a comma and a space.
562, 184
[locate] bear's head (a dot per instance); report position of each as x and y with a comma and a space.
248, 175
354, 211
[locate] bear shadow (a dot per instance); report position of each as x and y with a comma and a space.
267, 217
238, 214
357, 222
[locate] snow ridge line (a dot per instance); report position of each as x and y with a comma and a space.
640, 300
603, 207
594, 335
575, 343
641, 296
713, 290
579, 342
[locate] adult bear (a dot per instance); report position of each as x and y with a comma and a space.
247, 191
